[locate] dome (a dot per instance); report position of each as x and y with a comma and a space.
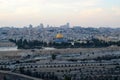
59, 35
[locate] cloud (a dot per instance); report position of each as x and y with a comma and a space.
59, 11
116, 10
44, 6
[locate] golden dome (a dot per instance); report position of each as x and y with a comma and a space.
59, 35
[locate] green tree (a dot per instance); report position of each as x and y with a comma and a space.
67, 77
4, 78
53, 56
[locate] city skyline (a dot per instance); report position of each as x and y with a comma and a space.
87, 13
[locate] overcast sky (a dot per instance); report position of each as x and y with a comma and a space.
85, 13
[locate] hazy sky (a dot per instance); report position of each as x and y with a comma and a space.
85, 13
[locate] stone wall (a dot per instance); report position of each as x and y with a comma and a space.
6, 44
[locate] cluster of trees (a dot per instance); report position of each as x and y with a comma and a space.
94, 43
24, 44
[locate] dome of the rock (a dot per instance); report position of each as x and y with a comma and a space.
58, 36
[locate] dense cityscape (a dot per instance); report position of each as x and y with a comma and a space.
48, 33
59, 53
